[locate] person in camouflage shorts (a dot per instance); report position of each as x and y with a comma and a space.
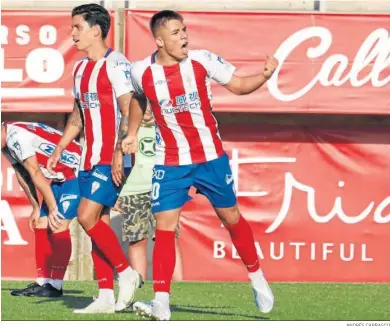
134, 203
137, 217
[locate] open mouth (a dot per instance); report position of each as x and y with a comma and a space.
184, 48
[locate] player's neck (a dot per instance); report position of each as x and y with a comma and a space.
97, 51
164, 59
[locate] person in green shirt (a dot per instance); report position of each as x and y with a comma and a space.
134, 203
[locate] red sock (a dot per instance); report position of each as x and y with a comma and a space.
242, 238
164, 260
104, 270
43, 253
105, 239
62, 249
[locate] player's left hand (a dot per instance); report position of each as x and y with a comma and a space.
117, 172
270, 65
33, 220
55, 218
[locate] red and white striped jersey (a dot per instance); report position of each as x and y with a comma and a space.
97, 85
25, 139
180, 97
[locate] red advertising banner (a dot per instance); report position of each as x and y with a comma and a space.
17, 247
317, 199
37, 58
318, 202
329, 63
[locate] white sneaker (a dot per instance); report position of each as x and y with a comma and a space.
98, 306
122, 306
264, 298
127, 286
154, 310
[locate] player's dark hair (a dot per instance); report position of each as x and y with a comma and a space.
94, 14
162, 17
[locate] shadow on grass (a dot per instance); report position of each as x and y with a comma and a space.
204, 310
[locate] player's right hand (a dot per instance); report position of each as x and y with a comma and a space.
33, 220
117, 172
270, 65
53, 160
55, 218
130, 144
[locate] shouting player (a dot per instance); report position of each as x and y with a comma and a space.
28, 146
176, 82
102, 88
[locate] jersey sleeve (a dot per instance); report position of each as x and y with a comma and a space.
19, 144
217, 68
136, 73
119, 74
73, 77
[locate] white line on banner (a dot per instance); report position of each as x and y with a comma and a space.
31, 92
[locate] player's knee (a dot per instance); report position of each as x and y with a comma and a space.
167, 220
86, 218
82, 219
86, 221
42, 223
228, 215
166, 225
64, 226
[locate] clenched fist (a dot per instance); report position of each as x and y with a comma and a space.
270, 65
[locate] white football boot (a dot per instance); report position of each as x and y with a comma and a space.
129, 282
264, 298
98, 306
154, 310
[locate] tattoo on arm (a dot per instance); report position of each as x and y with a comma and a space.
27, 184
75, 118
124, 125
124, 104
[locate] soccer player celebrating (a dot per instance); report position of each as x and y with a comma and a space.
27, 146
176, 82
101, 86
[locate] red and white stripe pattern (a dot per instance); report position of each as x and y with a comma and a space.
180, 97
41, 140
97, 85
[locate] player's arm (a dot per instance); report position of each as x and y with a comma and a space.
247, 84
118, 175
137, 109
138, 106
72, 130
224, 73
124, 105
27, 184
32, 166
119, 75
73, 127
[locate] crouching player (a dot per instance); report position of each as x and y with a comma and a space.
27, 146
